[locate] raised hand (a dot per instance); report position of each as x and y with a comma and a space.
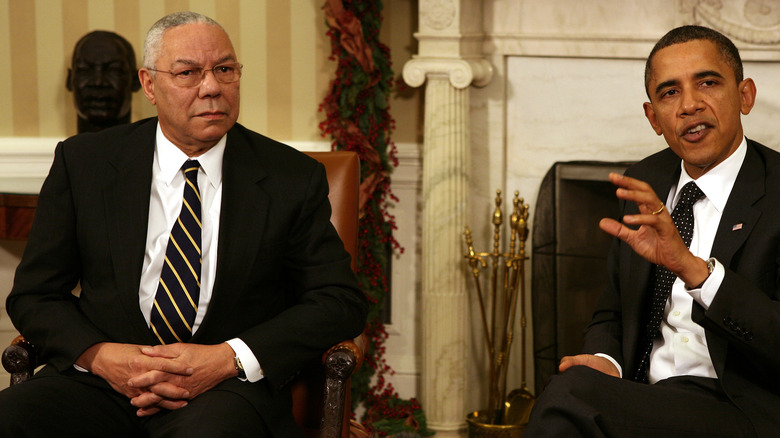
656, 239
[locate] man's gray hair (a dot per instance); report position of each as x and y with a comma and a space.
153, 42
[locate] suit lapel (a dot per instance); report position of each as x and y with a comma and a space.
243, 216
738, 219
126, 201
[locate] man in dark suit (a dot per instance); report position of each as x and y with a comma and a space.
274, 284
712, 358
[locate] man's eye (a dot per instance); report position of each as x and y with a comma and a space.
224, 69
185, 73
668, 93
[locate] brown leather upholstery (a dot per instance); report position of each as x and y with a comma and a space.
321, 393
343, 169
343, 172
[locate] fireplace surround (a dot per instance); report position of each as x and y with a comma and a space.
568, 257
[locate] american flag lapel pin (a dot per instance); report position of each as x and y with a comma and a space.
737, 227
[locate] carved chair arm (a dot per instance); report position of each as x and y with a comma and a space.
20, 359
340, 362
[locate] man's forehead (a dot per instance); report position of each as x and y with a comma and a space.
691, 58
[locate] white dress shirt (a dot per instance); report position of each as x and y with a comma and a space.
682, 347
164, 207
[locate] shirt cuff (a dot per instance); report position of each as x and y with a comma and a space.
252, 368
614, 362
706, 293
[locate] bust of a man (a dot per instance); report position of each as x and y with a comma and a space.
102, 77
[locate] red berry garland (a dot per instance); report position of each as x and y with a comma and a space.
357, 118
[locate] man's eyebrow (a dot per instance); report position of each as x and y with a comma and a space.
193, 63
665, 84
707, 74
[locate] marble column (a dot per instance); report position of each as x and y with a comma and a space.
445, 318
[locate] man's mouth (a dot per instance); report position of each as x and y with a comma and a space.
211, 114
696, 129
695, 132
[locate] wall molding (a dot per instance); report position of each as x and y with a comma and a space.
25, 161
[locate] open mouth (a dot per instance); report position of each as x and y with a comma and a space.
695, 132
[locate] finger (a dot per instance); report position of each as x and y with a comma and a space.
629, 183
171, 366
647, 201
610, 226
166, 351
165, 404
145, 412
151, 378
567, 362
172, 405
637, 191
146, 400
170, 391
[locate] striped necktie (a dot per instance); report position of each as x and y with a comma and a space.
176, 300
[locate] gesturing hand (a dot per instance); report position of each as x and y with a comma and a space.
209, 365
657, 238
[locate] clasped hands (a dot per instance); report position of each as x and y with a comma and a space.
653, 235
162, 376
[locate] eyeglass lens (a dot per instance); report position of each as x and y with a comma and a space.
193, 76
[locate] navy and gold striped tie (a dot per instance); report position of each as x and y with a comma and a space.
176, 300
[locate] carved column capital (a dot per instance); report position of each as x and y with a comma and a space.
461, 72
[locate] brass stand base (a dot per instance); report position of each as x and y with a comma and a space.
479, 429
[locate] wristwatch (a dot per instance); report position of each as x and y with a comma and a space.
239, 367
710, 267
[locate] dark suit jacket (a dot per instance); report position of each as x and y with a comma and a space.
742, 325
283, 283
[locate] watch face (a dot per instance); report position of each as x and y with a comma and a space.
239, 367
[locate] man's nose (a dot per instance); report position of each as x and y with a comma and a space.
209, 86
691, 101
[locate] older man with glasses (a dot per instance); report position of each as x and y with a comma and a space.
209, 270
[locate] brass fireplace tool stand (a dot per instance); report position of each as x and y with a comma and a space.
498, 300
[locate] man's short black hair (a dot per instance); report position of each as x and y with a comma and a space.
683, 34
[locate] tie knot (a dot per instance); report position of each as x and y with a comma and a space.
190, 169
194, 165
689, 195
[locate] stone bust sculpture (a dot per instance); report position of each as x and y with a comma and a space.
102, 77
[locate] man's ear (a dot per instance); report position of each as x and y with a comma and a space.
147, 84
747, 94
68, 84
650, 114
135, 84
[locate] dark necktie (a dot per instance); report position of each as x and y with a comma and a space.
176, 300
664, 279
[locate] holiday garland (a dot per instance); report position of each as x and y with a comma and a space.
358, 119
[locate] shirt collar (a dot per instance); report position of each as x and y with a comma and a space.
170, 159
718, 181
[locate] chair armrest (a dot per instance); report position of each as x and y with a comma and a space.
340, 362
20, 359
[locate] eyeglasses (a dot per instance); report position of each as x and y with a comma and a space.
189, 77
